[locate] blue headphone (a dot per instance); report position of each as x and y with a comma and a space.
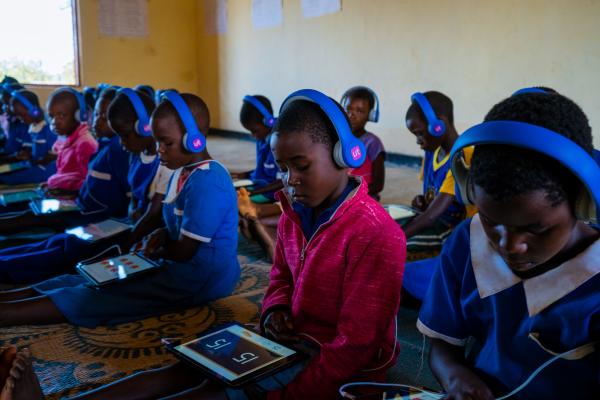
142, 125
373, 113
193, 139
34, 111
81, 113
529, 90
436, 126
538, 139
348, 152
268, 118
149, 90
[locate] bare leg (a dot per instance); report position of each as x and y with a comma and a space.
37, 311
7, 356
22, 384
18, 294
151, 384
267, 210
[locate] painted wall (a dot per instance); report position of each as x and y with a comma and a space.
477, 52
167, 58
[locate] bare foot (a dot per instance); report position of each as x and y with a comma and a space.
22, 384
245, 206
7, 356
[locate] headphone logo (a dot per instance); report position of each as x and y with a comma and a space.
356, 153
146, 128
197, 143
437, 128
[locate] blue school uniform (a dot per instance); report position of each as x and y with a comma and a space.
18, 137
518, 324
142, 170
596, 155
266, 171
42, 138
203, 208
434, 175
106, 189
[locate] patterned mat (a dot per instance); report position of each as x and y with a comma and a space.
70, 360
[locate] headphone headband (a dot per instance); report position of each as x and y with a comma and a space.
34, 111
436, 126
268, 118
529, 90
193, 139
80, 114
348, 152
142, 125
373, 112
540, 140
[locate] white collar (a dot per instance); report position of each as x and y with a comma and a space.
172, 192
147, 158
493, 275
36, 127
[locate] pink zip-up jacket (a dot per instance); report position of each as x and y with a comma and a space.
343, 289
74, 154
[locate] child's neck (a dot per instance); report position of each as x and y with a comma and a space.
197, 158
448, 141
150, 149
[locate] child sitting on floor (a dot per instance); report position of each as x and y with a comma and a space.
68, 115
336, 276
198, 245
521, 278
26, 107
256, 116
362, 106
430, 118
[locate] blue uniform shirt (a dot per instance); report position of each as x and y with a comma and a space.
518, 324
433, 177
266, 170
18, 137
106, 188
141, 173
42, 139
204, 208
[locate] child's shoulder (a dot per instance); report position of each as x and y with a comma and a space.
368, 217
212, 173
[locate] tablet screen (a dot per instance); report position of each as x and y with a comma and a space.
18, 197
242, 183
234, 352
13, 166
100, 230
116, 268
48, 206
399, 211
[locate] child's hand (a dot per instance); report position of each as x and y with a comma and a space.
419, 203
280, 327
465, 385
245, 206
153, 242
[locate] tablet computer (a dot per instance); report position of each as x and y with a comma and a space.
14, 166
398, 211
235, 355
116, 269
20, 197
99, 230
240, 183
52, 206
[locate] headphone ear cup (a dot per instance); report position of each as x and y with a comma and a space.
338, 154
460, 170
77, 115
585, 208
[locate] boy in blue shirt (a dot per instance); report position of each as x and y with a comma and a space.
522, 278
16, 139
25, 106
256, 116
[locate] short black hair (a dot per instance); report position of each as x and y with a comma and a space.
90, 94
361, 92
442, 106
307, 116
108, 93
120, 109
249, 113
29, 95
149, 90
507, 171
197, 107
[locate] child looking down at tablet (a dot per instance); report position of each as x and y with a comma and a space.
198, 244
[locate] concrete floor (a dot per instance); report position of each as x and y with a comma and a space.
401, 183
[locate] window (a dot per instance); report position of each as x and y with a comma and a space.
39, 41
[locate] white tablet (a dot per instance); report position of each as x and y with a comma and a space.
52, 206
19, 197
99, 230
235, 355
116, 269
398, 211
14, 166
240, 183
